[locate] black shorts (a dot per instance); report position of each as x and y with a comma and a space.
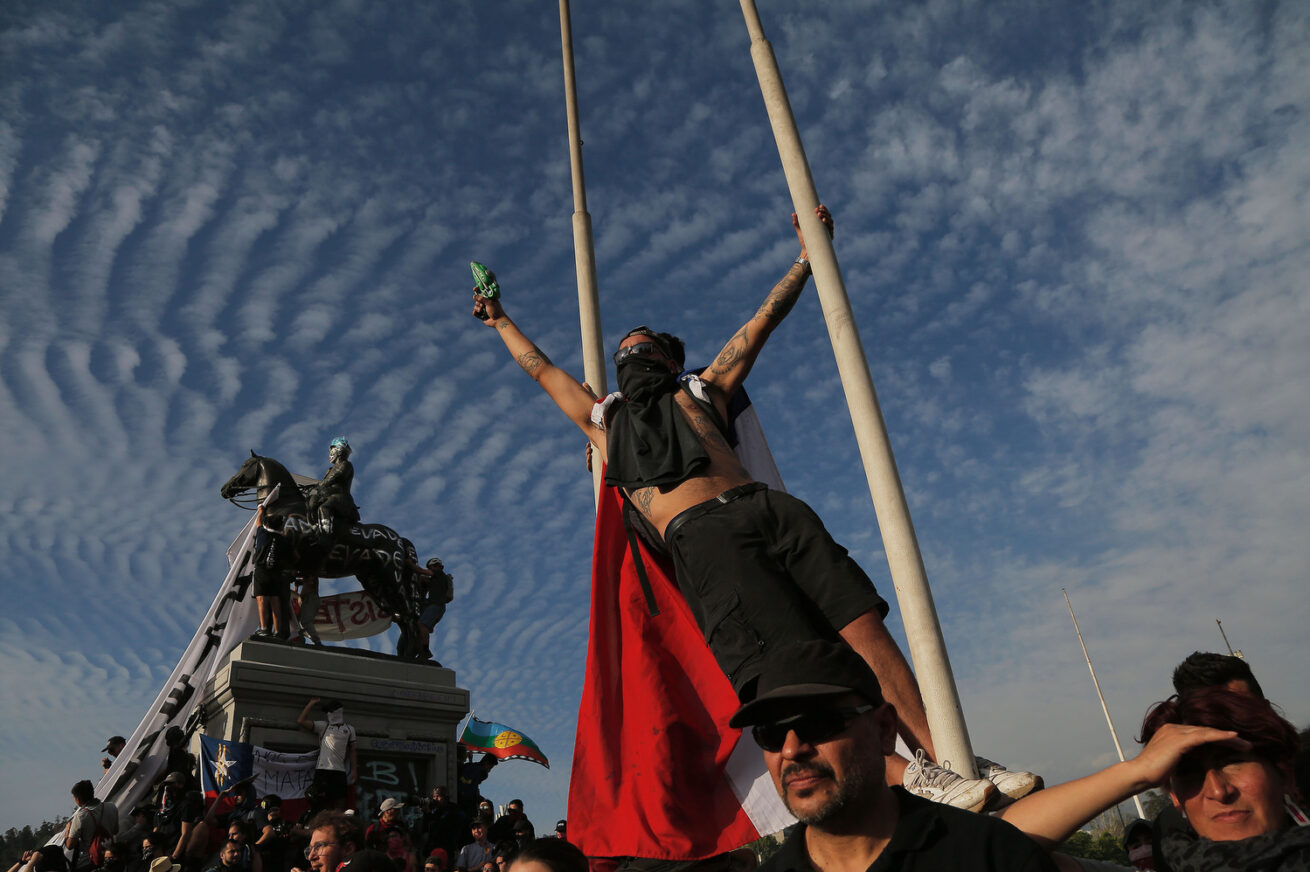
330, 784
759, 570
272, 582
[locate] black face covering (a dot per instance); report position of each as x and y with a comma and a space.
650, 442
641, 379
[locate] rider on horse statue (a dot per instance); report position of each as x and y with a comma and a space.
330, 501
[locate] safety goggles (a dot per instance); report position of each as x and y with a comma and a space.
642, 348
810, 728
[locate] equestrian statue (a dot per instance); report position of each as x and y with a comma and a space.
321, 523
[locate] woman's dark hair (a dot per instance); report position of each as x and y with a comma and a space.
557, 854
1272, 738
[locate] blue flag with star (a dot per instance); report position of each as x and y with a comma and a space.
225, 763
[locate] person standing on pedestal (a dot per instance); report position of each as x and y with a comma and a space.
332, 776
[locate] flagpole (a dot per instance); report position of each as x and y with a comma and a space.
941, 699
584, 252
1141, 813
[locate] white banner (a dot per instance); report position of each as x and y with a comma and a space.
351, 615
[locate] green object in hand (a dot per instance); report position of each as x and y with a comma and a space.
485, 279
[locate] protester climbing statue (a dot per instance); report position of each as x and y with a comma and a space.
330, 500
385, 563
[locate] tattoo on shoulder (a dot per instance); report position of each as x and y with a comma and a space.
732, 353
533, 360
709, 435
642, 496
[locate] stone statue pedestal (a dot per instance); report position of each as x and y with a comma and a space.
404, 713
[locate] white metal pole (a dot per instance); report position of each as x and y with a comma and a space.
941, 699
1113, 735
584, 252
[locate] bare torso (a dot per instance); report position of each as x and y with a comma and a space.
724, 471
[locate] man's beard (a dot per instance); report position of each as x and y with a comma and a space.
845, 790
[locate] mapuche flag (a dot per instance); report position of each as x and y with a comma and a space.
500, 741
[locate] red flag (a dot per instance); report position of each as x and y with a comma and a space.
653, 768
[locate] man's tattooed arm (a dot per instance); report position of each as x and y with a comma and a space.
731, 354
533, 360
568, 393
784, 294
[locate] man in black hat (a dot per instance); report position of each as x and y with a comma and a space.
113, 748
820, 717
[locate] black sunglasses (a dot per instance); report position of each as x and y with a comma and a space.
639, 348
809, 728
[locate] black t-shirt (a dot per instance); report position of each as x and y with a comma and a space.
178, 808
273, 852
931, 837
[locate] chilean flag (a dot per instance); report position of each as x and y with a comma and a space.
657, 772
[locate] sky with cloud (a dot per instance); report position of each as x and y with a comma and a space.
1075, 237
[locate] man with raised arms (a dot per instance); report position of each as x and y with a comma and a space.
756, 566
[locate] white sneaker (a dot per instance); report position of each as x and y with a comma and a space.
939, 784
1010, 784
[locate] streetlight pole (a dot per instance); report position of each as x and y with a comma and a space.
584, 252
1141, 813
941, 699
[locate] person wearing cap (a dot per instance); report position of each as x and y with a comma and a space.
177, 812
332, 776
274, 842
1137, 840
475, 853
444, 825
818, 714
756, 566
562, 830
390, 835
131, 837
113, 748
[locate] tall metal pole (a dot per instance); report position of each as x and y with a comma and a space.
941, 699
1226, 642
584, 252
1113, 735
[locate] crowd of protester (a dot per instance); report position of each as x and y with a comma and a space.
1234, 768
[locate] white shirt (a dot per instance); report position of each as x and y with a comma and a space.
334, 744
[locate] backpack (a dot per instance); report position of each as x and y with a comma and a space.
443, 588
270, 548
101, 840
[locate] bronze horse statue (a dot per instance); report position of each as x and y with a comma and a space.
380, 558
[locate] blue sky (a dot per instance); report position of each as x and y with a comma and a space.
1075, 239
